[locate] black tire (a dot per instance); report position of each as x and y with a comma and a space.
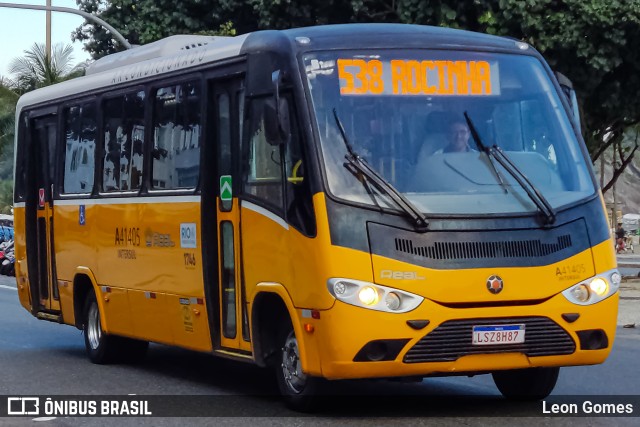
101, 348
299, 391
526, 384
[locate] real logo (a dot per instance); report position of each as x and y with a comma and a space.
400, 275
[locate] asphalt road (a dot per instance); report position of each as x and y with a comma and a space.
41, 358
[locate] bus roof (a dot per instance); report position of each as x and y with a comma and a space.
188, 51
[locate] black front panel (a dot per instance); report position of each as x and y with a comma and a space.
472, 249
348, 227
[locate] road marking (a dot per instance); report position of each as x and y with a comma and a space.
8, 287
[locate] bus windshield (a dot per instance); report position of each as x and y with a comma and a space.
403, 112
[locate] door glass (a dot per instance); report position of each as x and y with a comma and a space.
228, 298
224, 142
263, 172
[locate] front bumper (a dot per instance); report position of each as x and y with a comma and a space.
344, 336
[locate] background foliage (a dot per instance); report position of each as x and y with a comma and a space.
593, 42
590, 41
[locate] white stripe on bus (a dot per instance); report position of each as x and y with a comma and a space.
135, 200
264, 212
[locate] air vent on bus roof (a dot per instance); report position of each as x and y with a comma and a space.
168, 46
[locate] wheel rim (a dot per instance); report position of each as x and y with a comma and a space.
94, 329
292, 373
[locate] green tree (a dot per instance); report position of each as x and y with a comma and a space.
8, 99
590, 41
145, 21
37, 69
6, 196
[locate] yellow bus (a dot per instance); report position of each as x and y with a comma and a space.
333, 202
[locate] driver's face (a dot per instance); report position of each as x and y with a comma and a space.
458, 136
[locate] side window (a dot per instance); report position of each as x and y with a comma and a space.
123, 142
80, 148
263, 170
270, 170
176, 136
300, 213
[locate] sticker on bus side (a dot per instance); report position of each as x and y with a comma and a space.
188, 235
412, 77
226, 189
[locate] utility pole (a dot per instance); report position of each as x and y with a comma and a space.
48, 36
87, 16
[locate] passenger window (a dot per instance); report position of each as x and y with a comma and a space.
79, 160
176, 137
123, 142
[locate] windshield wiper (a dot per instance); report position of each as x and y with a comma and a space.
359, 166
500, 156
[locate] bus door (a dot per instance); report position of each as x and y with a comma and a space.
39, 205
223, 275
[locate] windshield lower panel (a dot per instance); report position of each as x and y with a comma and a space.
403, 112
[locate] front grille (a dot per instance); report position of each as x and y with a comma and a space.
483, 250
452, 340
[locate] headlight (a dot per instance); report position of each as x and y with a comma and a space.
368, 295
372, 296
595, 289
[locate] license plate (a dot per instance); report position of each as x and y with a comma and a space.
495, 335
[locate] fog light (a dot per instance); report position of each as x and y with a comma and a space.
339, 288
392, 300
368, 295
581, 293
616, 278
599, 286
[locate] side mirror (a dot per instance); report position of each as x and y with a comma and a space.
277, 123
567, 89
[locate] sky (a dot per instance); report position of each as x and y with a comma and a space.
21, 28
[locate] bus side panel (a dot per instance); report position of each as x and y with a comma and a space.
74, 247
604, 256
20, 243
141, 250
272, 252
188, 318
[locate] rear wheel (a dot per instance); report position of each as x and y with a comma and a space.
299, 390
526, 384
103, 348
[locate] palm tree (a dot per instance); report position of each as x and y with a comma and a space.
37, 69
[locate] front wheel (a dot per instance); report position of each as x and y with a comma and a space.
299, 390
526, 384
